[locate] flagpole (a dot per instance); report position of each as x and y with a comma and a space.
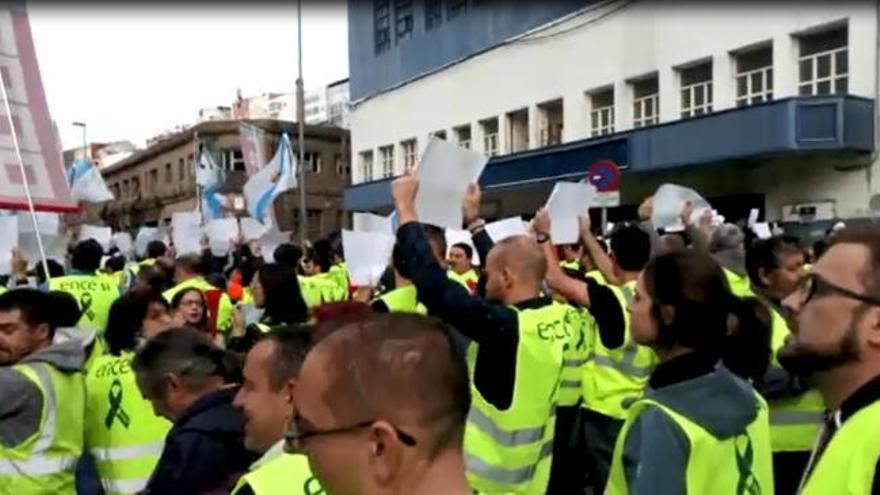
24, 178
300, 117
197, 162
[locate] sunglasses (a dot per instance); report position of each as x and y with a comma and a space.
816, 286
296, 434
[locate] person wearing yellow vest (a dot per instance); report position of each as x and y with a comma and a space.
189, 272
42, 406
701, 427
95, 293
155, 250
836, 341
618, 368
516, 356
268, 401
571, 256
404, 297
460, 269
123, 434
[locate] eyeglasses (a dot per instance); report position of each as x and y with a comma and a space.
296, 433
816, 286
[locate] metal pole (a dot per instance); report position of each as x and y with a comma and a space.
300, 117
86, 150
24, 179
197, 163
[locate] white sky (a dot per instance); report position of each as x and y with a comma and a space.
134, 72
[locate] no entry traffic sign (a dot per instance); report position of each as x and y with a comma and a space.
605, 175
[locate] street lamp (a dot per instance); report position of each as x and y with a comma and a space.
85, 141
300, 117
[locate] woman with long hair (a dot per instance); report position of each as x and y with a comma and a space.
700, 427
190, 309
277, 297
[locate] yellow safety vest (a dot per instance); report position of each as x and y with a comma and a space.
94, 293
848, 464
466, 279
321, 289
570, 265
339, 274
510, 451
739, 285
579, 323
614, 378
404, 300
741, 464
224, 310
285, 474
122, 432
598, 276
45, 463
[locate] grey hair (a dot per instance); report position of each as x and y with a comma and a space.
186, 353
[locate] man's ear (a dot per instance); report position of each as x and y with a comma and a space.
872, 327
764, 276
385, 453
43, 332
667, 313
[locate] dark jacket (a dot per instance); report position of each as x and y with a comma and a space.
204, 451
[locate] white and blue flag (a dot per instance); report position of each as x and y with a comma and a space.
86, 183
210, 177
272, 180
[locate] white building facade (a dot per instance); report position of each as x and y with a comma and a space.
639, 70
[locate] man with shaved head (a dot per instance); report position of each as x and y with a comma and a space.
381, 407
515, 359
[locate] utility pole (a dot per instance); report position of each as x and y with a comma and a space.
300, 118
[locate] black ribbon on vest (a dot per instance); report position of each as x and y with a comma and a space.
114, 396
85, 302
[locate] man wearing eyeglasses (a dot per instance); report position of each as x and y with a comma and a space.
837, 339
380, 408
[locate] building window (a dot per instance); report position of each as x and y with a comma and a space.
152, 181
181, 170
386, 154
602, 112
366, 165
489, 128
439, 135
550, 122
115, 189
232, 160
823, 64
754, 77
433, 14
168, 178
403, 19
342, 167
646, 102
313, 224
696, 90
408, 150
382, 25
136, 188
124, 188
456, 8
518, 130
312, 162
463, 135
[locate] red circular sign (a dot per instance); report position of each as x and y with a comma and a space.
605, 175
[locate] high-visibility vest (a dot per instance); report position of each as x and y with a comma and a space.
224, 310
403, 300
468, 279
738, 464
285, 474
94, 294
570, 265
339, 274
598, 276
579, 323
510, 450
795, 421
45, 463
739, 285
321, 289
122, 432
615, 378
848, 464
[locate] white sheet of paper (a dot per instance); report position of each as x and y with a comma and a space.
48, 223
762, 230
270, 241
369, 222
669, 201
99, 233
54, 244
252, 229
509, 227
186, 232
222, 233
144, 236
444, 172
461, 236
8, 223
367, 254
123, 242
753, 217
567, 202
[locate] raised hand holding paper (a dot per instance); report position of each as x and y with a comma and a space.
509, 227
252, 229
186, 233
567, 202
222, 233
444, 173
367, 254
8, 223
100, 234
668, 203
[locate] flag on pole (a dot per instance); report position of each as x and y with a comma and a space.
44, 169
272, 180
86, 182
253, 142
210, 177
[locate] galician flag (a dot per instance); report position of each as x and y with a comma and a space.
209, 177
272, 180
86, 183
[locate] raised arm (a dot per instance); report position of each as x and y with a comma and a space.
571, 289
600, 257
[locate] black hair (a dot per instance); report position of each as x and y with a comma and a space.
64, 309
764, 254
631, 247
292, 343
178, 298
116, 263
156, 249
288, 254
192, 263
335, 241
468, 251
323, 255
694, 285
436, 238
86, 256
155, 277
284, 301
55, 270
127, 315
32, 304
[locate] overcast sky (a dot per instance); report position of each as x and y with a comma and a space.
133, 72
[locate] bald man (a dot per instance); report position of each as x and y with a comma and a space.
516, 356
381, 407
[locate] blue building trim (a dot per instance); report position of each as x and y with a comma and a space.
791, 125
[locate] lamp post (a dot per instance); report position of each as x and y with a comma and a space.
300, 117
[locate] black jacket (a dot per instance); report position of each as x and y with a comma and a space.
204, 451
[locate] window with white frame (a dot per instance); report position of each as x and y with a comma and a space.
312, 161
646, 102
696, 90
463, 135
490, 136
438, 135
386, 155
408, 150
754, 76
602, 112
823, 64
366, 159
